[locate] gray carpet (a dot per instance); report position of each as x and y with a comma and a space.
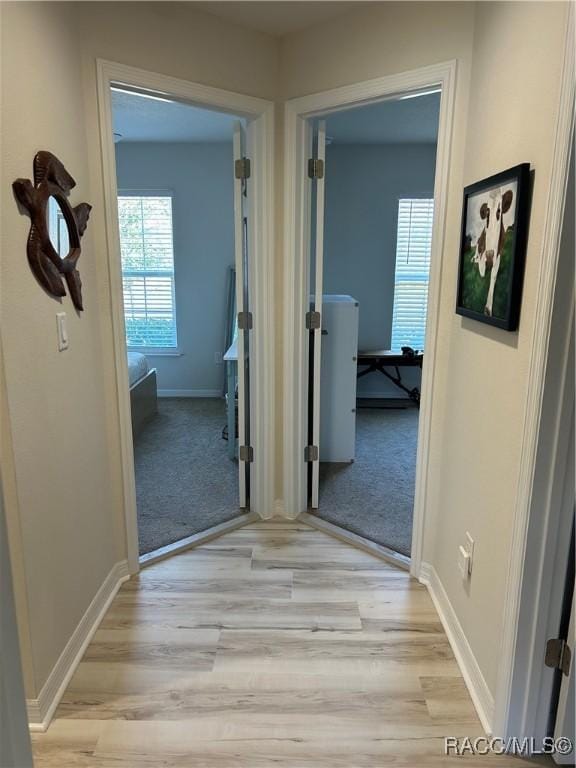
185, 482
374, 496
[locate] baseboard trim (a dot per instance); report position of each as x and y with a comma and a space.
482, 698
190, 393
384, 553
41, 710
381, 396
197, 539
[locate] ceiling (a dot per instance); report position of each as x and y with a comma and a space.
397, 121
140, 118
403, 121
277, 18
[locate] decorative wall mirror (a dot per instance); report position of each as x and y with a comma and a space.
53, 247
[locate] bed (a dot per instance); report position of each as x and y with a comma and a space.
143, 390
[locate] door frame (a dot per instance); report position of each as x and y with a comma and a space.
261, 114
297, 111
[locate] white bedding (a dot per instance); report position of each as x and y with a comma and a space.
138, 367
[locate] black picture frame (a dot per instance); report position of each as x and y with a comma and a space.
486, 208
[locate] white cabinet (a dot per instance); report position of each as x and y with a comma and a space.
338, 378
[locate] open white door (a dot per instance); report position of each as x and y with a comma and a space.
316, 168
244, 316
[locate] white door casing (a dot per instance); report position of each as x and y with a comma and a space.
241, 222
318, 213
260, 115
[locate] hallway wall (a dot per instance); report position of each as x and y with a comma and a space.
509, 57
63, 434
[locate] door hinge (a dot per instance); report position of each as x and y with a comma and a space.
558, 655
242, 168
315, 168
311, 453
244, 321
313, 320
246, 453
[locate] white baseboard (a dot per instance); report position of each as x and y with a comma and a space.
190, 393
280, 511
41, 710
388, 395
482, 698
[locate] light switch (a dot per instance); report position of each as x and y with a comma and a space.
463, 562
62, 331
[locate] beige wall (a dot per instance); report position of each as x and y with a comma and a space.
509, 57
69, 515
62, 436
65, 505
518, 50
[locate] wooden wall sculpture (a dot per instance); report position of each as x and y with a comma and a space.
51, 268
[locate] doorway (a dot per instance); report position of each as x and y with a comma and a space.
187, 177
369, 279
175, 178
305, 231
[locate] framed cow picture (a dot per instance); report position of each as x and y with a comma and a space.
493, 248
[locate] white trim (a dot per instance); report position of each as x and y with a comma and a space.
529, 551
41, 710
387, 395
469, 667
145, 192
295, 298
261, 112
198, 539
157, 351
359, 542
189, 393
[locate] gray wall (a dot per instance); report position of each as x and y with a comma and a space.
363, 184
201, 180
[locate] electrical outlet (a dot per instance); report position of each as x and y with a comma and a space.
218, 358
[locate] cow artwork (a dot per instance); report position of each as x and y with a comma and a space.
492, 248
491, 240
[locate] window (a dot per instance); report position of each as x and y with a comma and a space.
148, 270
414, 240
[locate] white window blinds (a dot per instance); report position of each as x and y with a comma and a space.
414, 240
148, 270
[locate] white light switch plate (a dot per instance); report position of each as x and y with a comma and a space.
463, 562
62, 329
470, 549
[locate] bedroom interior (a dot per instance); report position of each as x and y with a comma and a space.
379, 182
175, 209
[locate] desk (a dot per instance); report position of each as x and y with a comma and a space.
231, 361
380, 359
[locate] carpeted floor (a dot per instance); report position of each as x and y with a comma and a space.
374, 496
185, 482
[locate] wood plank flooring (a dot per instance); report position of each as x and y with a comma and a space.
275, 645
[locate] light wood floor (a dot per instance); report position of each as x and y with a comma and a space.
274, 645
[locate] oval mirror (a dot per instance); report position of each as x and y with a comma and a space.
57, 227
